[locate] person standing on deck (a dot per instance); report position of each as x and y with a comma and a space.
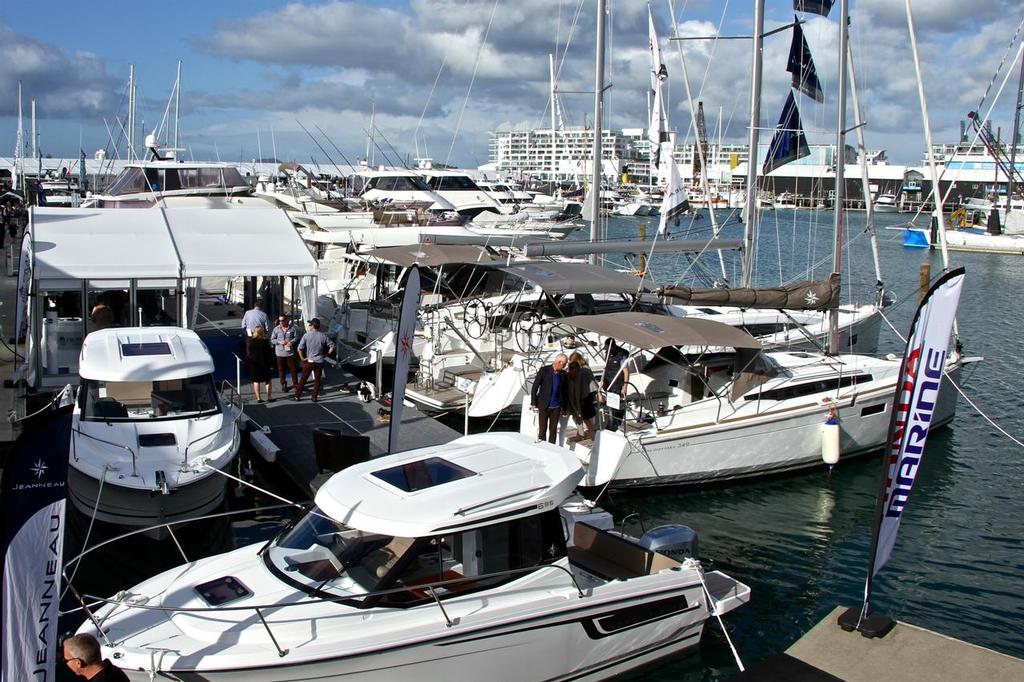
313, 349
548, 397
254, 318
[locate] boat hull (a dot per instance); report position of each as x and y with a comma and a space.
588, 639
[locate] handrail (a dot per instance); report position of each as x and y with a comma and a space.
107, 442
256, 608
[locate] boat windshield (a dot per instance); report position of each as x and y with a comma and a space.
322, 553
399, 183
132, 180
453, 182
148, 400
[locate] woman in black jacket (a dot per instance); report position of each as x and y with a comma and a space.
582, 393
261, 362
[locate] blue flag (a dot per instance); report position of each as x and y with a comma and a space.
789, 143
801, 65
821, 7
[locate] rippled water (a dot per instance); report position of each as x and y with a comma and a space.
801, 541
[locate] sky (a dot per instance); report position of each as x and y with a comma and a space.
440, 74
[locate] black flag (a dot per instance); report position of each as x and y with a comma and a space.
821, 7
789, 143
801, 65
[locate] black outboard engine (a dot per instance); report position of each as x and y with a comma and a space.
673, 540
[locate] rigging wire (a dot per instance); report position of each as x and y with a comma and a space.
469, 90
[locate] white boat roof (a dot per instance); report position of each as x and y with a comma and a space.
471, 481
143, 354
141, 243
178, 164
389, 174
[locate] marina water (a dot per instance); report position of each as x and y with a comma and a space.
801, 541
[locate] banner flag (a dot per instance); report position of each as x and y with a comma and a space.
916, 396
801, 65
657, 130
34, 483
789, 143
675, 203
403, 353
821, 7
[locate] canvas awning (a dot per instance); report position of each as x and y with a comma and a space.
812, 295
84, 244
229, 243
573, 278
649, 331
431, 255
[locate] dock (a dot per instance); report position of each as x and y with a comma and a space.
907, 653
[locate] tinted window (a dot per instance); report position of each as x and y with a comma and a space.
422, 474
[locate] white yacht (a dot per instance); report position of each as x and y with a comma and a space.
460, 561
149, 429
886, 202
704, 403
400, 187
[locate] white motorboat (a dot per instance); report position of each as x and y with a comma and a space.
711, 406
462, 192
460, 561
886, 203
149, 429
399, 187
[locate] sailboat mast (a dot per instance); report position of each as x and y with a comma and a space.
177, 103
865, 180
554, 159
751, 218
21, 145
840, 159
1015, 138
596, 231
131, 112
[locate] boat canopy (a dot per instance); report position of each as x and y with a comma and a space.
810, 295
469, 482
649, 331
144, 354
431, 255
557, 278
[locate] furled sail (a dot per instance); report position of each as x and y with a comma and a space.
801, 65
657, 132
810, 295
789, 143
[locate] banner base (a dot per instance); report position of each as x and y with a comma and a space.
871, 626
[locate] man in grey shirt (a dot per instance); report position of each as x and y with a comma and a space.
313, 349
283, 341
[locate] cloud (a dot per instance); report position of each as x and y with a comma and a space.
64, 85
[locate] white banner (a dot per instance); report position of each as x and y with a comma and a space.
674, 203
403, 353
916, 396
24, 283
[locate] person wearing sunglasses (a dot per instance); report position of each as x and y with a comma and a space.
82, 656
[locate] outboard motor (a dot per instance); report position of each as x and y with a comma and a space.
673, 540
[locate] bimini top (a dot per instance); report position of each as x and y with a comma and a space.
143, 354
573, 278
471, 481
646, 330
431, 255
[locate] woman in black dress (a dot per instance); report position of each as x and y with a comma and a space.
582, 393
261, 362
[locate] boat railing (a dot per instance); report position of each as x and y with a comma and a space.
111, 443
88, 602
229, 394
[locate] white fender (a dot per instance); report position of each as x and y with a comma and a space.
830, 442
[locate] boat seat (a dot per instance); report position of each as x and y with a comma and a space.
381, 561
611, 556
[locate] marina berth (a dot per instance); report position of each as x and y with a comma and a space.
150, 430
466, 560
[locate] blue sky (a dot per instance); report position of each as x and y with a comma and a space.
262, 65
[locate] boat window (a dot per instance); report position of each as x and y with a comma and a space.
453, 182
171, 179
233, 178
809, 388
321, 553
477, 559
159, 306
62, 332
153, 179
400, 183
131, 181
422, 474
108, 308
200, 178
148, 400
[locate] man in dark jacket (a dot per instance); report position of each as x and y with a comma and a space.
548, 397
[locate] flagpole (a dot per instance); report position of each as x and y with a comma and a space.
751, 218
